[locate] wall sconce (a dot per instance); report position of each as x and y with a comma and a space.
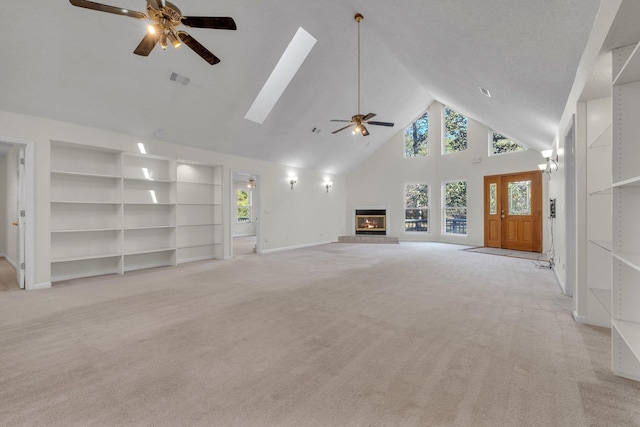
293, 180
328, 185
551, 165
251, 183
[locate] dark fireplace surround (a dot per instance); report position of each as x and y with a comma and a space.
371, 221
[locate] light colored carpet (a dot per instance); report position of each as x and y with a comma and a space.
510, 252
8, 281
415, 334
244, 245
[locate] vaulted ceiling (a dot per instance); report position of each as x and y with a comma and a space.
77, 65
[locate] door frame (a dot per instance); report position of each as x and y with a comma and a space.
537, 215
256, 201
28, 190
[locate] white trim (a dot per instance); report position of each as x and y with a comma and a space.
560, 282
43, 285
29, 183
289, 248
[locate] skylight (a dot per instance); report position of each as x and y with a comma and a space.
281, 76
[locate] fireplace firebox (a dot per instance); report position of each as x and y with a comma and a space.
371, 221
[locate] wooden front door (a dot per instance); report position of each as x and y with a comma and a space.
513, 211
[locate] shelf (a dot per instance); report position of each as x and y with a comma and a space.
204, 245
630, 71
164, 181
630, 334
197, 225
86, 257
151, 227
604, 244
83, 174
149, 251
198, 204
631, 182
602, 192
631, 259
84, 230
147, 204
71, 202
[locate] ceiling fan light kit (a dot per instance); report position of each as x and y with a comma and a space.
166, 17
360, 120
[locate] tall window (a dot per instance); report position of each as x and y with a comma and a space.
244, 206
416, 204
455, 207
455, 136
501, 144
415, 137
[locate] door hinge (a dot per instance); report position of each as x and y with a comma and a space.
22, 161
23, 214
22, 266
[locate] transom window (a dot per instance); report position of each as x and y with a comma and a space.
455, 207
455, 135
416, 204
501, 144
415, 138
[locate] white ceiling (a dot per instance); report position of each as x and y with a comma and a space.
77, 65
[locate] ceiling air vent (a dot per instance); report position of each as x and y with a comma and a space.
485, 92
175, 77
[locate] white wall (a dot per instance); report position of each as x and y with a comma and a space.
381, 179
303, 216
3, 205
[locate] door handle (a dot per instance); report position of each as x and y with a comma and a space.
14, 223
501, 216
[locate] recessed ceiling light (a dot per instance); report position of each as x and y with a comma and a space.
485, 92
287, 67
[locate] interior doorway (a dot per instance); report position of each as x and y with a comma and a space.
513, 211
245, 222
16, 216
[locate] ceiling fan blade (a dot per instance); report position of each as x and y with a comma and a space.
217, 23
343, 121
388, 124
106, 8
198, 48
341, 129
146, 45
364, 130
368, 116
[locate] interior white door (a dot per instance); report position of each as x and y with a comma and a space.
21, 217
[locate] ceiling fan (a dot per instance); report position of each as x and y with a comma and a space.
166, 17
360, 120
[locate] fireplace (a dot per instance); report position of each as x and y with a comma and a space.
371, 221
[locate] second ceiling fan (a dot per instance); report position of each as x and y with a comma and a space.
360, 120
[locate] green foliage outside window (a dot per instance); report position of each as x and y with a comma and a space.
501, 144
416, 200
455, 131
415, 138
244, 206
455, 209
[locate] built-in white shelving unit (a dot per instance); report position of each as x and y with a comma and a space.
598, 212
625, 296
113, 212
199, 212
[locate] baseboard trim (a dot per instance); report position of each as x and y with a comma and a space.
563, 287
290, 248
44, 285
